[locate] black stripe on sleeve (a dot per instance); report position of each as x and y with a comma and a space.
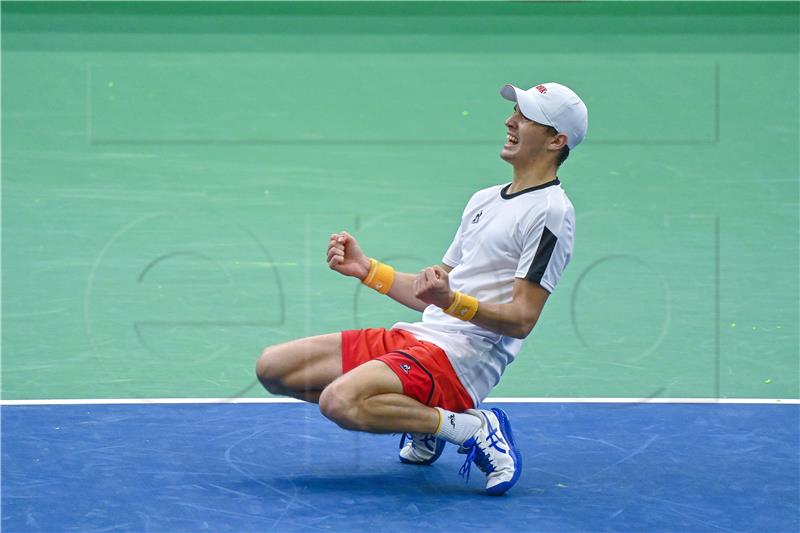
542, 256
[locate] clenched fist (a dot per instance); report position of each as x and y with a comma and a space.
346, 257
432, 287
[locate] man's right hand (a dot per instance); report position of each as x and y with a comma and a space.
346, 257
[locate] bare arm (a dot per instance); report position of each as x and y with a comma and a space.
346, 257
515, 319
431, 287
403, 289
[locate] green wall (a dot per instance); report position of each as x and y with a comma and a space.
170, 173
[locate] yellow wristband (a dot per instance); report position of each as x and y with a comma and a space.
380, 276
464, 306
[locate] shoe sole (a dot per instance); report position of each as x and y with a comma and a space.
440, 444
505, 428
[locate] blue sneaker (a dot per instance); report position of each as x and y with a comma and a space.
421, 449
493, 451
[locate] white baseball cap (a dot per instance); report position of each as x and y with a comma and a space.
552, 104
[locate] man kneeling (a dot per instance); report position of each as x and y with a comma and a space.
426, 379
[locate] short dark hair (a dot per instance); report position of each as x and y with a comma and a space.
564, 153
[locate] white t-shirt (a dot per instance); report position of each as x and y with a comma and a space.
528, 234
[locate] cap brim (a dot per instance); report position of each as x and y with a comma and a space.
527, 102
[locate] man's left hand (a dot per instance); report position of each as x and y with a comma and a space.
432, 287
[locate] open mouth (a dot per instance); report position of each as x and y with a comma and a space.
511, 139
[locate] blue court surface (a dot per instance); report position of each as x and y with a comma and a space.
284, 468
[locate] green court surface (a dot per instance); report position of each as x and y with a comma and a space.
171, 172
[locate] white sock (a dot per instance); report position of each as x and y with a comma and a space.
456, 427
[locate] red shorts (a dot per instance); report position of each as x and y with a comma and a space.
423, 368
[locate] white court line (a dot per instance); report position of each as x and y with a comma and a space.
122, 401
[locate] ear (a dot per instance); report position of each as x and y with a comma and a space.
559, 141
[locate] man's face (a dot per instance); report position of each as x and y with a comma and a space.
527, 140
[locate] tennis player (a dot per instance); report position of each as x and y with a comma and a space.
426, 379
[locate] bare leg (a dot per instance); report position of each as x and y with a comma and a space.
301, 368
370, 398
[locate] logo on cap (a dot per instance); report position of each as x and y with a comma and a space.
542, 89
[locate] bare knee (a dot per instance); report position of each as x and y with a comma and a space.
301, 366
267, 372
340, 405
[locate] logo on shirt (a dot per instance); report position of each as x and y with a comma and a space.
405, 368
477, 217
